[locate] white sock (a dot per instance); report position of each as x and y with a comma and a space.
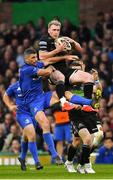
63, 100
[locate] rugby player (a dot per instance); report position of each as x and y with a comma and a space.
85, 122
25, 121
47, 49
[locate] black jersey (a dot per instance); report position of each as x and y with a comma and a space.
47, 43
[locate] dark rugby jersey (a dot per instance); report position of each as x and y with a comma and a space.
47, 43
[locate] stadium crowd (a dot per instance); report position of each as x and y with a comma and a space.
97, 53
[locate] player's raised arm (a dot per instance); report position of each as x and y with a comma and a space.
76, 45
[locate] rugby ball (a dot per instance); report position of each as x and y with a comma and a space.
63, 40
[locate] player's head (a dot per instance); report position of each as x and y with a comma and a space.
108, 143
30, 56
54, 27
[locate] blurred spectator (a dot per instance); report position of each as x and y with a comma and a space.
67, 27
2, 137
109, 134
41, 25
110, 101
110, 113
84, 32
74, 35
26, 43
14, 133
8, 121
108, 21
20, 57
99, 30
105, 155
15, 146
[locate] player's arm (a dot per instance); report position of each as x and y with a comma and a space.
76, 45
9, 102
95, 74
45, 72
45, 54
43, 50
53, 60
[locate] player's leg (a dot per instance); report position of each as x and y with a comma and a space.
71, 153
45, 125
99, 134
37, 108
24, 149
86, 134
31, 135
26, 123
79, 119
86, 79
76, 99
76, 141
59, 79
59, 138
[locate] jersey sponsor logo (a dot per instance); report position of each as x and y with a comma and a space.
27, 121
19, 95
18, 89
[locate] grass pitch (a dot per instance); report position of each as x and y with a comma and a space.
54, 172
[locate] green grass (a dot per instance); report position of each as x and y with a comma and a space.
54, 172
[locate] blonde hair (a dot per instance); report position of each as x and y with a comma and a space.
54, 22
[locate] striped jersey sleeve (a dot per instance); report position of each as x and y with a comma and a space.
43, 44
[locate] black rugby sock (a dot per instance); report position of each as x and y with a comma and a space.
85, 154
88, 90
71, 153
60, 89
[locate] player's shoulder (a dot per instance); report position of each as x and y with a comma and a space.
15, 85
43, 38
40, 64
26, 68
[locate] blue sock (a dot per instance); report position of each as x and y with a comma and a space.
24, 148
49, 141
80, 100
33, 149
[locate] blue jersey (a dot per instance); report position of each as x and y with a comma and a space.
105, 156
23, 115
14, 91
30, 82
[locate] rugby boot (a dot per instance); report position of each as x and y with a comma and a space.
88, 169
38, 166
22, 163
69, 166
